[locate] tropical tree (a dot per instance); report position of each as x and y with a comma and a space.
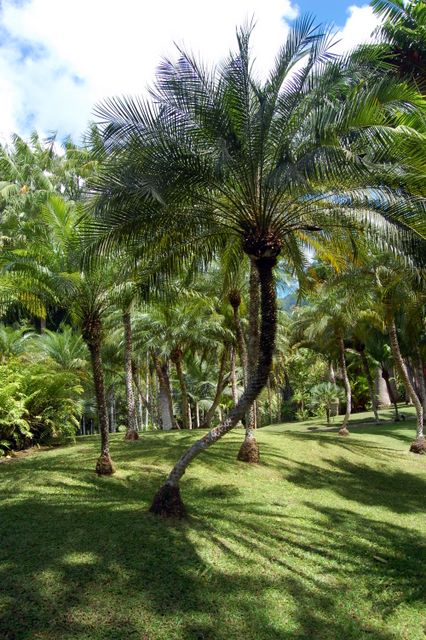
325, 396
52, 269
402, 35
220, 153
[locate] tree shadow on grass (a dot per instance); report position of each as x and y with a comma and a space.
97, 572
80, 557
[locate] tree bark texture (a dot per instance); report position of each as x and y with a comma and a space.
234, 388
176, 357
253, 339
165, 402
92, 336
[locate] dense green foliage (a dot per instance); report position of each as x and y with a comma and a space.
165, 213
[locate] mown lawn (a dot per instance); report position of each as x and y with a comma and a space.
326, 539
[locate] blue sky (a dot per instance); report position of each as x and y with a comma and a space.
59, 58
335, 11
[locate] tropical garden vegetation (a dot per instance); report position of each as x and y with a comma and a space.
198, 262
230, 253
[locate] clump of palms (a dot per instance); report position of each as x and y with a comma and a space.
219, 153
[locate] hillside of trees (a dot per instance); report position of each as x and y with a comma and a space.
227, 253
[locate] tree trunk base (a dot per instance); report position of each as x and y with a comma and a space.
418, 446
131, 435
167, 503
105, 466
344, 432
249, 451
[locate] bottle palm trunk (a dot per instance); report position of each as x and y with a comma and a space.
167, 501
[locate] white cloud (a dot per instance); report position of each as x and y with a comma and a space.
111, 48
58, 58
358, 28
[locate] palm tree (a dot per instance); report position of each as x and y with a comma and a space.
402, 34
51, 268
326, 321
325, 395
392, 287
219, 153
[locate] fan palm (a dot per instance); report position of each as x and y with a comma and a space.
219, 153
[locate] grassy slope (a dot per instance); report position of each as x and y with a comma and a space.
325, 539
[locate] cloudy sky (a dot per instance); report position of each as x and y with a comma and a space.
60, 57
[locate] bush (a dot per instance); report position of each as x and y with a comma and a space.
15, 431
54, 402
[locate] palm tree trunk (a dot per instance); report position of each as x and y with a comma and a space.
421, 378
344, 428
92, 337
176, 358
391, 392
197, 415
270, 401
419, 444
165, 403
136, 381
370, 383
167, 501
221, 384
233, 378
331, 372
249, 450
131, 432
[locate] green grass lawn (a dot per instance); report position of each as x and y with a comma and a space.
325, 539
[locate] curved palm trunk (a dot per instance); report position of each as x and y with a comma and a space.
165, 403
370, 383
221, 384
343, 431
131, 432
167, 501
176, 358
92, 337
249, 450
419, 444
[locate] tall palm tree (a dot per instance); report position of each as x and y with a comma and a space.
219, 153
53, 270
